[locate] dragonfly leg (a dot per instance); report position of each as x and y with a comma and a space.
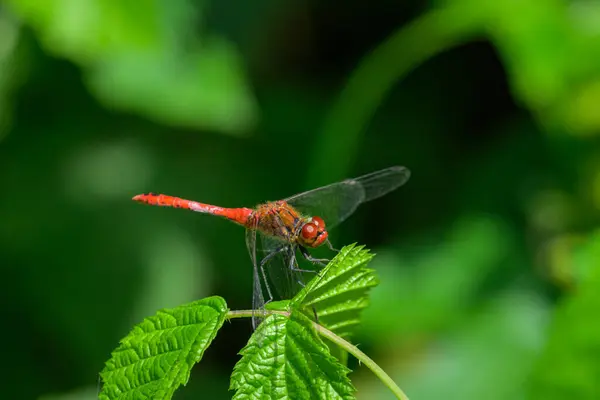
264, 276
303, 285
315, 314
262, 270
331, 246
294, 267
320, 261
271, 255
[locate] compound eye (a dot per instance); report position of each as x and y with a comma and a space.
318, 221
309, 231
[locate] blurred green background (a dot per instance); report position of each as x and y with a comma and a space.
489, 256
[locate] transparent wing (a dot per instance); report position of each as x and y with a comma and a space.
274, 264
380, 183
258, 299
336, 202
285, 274
279, 262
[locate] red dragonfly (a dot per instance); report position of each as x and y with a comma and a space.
296, 223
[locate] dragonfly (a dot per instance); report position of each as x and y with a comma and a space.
277, 230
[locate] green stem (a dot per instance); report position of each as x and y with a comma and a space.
349, 347
363, 358
373, 78
241, 314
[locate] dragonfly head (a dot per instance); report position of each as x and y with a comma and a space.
313, 233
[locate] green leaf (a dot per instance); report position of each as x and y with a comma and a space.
144, 57
285, 358
13, 67
203, 89
340, 292
433, 289
570, 365
158, 354
495, 347
81, 393
90, 30
550, 52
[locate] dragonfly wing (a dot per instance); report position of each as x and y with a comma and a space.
336, 202
333, 203
279, 262
258, 299
275, 268
380, 183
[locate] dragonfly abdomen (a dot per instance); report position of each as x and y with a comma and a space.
238, 215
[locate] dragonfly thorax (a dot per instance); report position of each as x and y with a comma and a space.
279, 219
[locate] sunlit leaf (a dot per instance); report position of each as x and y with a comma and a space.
339, 293
285, 358
158, 354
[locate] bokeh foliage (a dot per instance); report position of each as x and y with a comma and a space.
488, 258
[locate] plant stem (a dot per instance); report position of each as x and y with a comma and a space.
343, 343
242, 314
363, 358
